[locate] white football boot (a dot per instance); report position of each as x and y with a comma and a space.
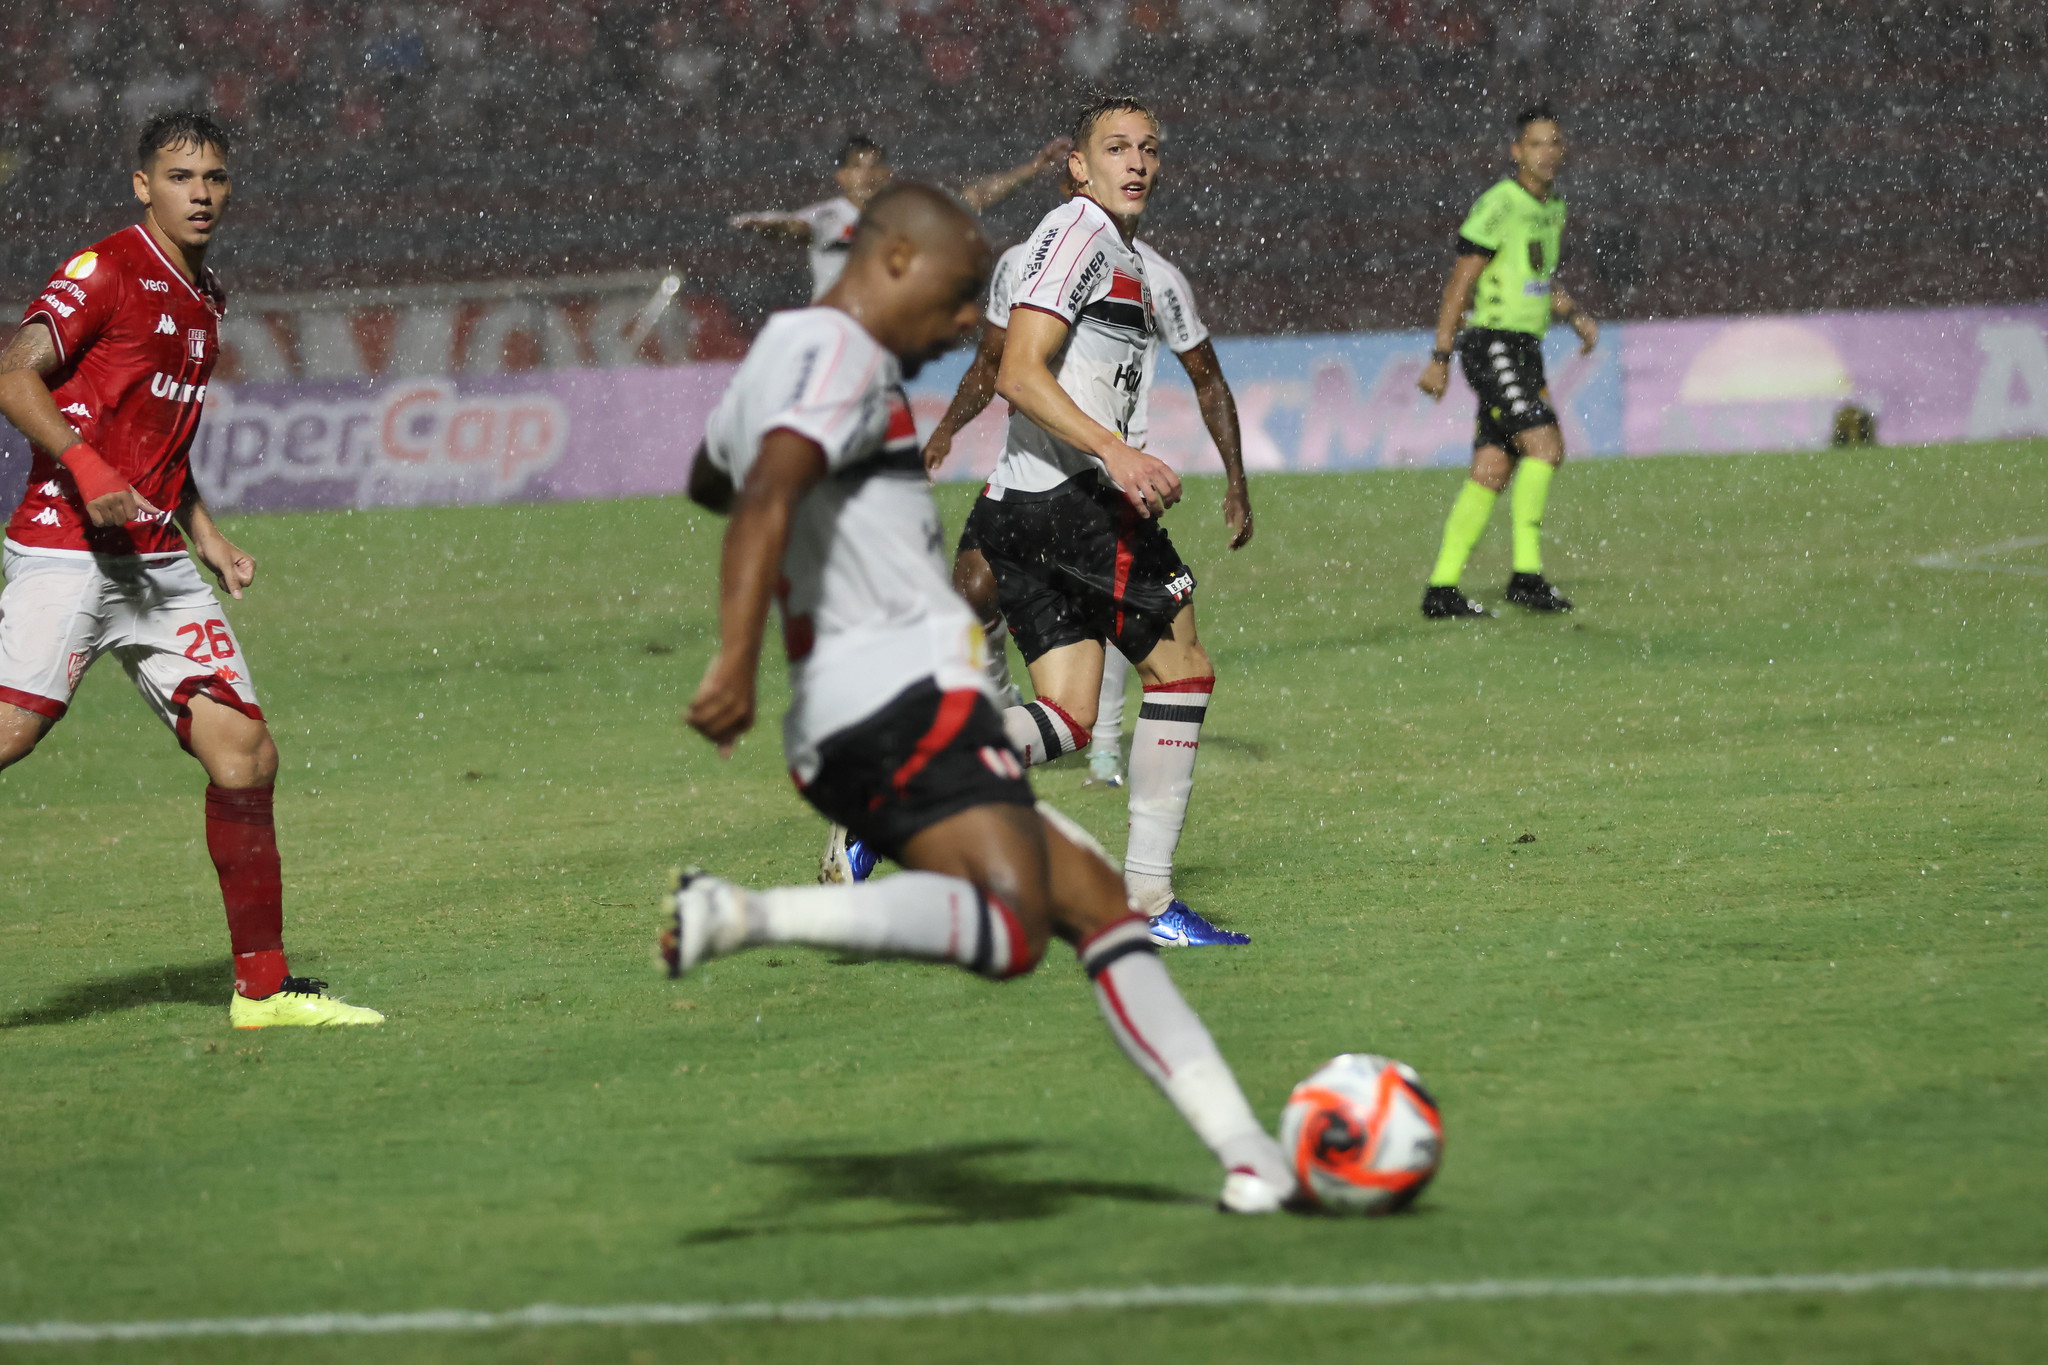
1246, 1191
708, 918
835, 868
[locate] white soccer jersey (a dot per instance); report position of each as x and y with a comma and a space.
1002, 284
868, 607
832, 223
1176, 326
1078, 268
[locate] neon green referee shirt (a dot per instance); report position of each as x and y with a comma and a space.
1521, 235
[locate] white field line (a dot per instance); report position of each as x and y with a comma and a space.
1023, 1305
1975, 559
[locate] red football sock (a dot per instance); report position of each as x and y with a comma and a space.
243, 842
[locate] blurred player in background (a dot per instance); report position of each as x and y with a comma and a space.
1069, 523
106, 378
864, 171
1179, 327
1502, 290
890, 728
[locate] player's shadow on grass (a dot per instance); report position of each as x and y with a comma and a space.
194, 983
950, 1186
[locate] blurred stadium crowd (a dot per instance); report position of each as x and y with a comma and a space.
1731, 155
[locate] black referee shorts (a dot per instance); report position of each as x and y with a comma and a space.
1506, 370
1078, 563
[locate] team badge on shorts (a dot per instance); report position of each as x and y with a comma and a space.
1001, 762
75, 670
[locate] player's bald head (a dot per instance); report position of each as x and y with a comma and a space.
927, 218
915, 277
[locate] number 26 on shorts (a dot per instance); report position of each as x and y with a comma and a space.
210, 642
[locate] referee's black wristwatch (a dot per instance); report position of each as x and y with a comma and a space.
1441, 357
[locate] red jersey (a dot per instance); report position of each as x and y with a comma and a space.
135, 344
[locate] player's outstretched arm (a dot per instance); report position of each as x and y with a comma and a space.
1219, 415
977, 390
1026, 380
25, 402
1568, 312
1436, 378
750, 566
232, 565
787, 227
983, 194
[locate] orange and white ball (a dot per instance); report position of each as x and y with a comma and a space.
1362, 1134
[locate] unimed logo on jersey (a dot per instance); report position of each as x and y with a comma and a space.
406, 444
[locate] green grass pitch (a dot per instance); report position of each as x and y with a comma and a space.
1713, 914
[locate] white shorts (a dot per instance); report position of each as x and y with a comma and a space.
58, 613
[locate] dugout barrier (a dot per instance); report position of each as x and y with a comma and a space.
1306, 403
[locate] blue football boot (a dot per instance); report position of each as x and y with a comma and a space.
846, 858
1179, 927
860, 859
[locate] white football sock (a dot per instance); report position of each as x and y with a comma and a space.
1164, 743
1041, 732
912, 914
996, 639
1166, 1040
1109, 707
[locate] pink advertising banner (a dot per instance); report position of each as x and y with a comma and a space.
1306, 403
1774, 383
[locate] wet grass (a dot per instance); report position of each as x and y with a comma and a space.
1712, 912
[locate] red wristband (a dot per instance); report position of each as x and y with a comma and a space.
94, 476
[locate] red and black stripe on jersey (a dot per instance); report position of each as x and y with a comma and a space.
901, 452
1123, 307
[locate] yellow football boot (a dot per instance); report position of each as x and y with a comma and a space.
300, 1001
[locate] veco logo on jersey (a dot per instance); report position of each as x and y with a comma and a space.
409, 444
81, 266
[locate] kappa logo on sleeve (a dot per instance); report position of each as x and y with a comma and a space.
50, 489
81, 266
75, 410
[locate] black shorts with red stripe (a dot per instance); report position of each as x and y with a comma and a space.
1078, 563
922, 758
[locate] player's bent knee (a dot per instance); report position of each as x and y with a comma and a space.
1023, 941
235, 749
20, 732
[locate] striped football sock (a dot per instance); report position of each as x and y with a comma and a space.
1041, 732
1166, 1040
920, 915
1164, 743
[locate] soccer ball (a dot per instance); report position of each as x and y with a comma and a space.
1362, 1134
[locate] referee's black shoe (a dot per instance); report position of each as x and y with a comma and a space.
1533, 591
1442, 603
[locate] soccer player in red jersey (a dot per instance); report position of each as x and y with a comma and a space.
106, 378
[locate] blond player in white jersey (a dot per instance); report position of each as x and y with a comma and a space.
890, 730
826, 227
1070, 523
1177, 327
